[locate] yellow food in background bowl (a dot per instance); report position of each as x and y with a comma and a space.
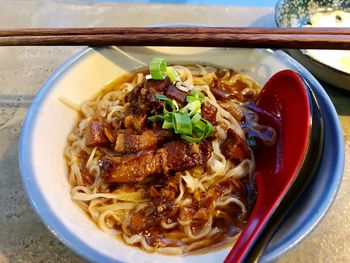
339, 59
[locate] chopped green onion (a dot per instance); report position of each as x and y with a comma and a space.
195, 95
172, 74
198, 133
187, 121
196, 118
210, 128
194, 107
199, 129
161, 97
168, 103
167, 125
190, 99
168, 117
158, 68
182, 124
170, 106
191, 108
156, 118
191, 139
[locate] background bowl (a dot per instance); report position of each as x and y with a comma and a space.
49, 121
297, 13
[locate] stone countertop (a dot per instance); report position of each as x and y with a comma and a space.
23, 238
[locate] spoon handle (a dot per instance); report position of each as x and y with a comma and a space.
254, 227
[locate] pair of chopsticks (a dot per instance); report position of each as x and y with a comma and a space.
282, 38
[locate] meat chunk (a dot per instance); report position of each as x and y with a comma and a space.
178, 95
128, 143
144, 220
234, 147
171, 188
153, 192
240, 87
133, 97
130, 168
173, 157
135, 122
156, 86
141, 100
180, 155
148, 140
234, 186
97, 132
152, 87
246, 91
209, 111
201, 214
142, 97
116, 124
206, 149
218, 93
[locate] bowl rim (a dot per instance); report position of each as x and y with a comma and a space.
72, 241
303, 51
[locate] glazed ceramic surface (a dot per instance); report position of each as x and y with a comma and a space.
49, 121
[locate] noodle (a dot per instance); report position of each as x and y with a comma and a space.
192, 208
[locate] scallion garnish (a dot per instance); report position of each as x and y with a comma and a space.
190, 138
195, 95
172, 74
158, 69
169, 105
187, 121
156, 118
182, 123
191, 108
199, 129
196, 118
167, 125
161, 97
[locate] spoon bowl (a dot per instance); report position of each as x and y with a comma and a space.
284, 105
305, 175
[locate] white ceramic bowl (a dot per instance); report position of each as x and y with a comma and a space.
49, 121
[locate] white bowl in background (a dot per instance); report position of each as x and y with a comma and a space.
324, 64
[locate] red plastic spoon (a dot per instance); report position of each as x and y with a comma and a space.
284, 105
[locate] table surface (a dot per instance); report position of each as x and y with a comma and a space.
23, 238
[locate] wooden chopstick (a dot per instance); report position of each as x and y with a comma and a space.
171, 30
291, 38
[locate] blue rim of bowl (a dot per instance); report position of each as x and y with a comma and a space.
72, 241
303, 51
